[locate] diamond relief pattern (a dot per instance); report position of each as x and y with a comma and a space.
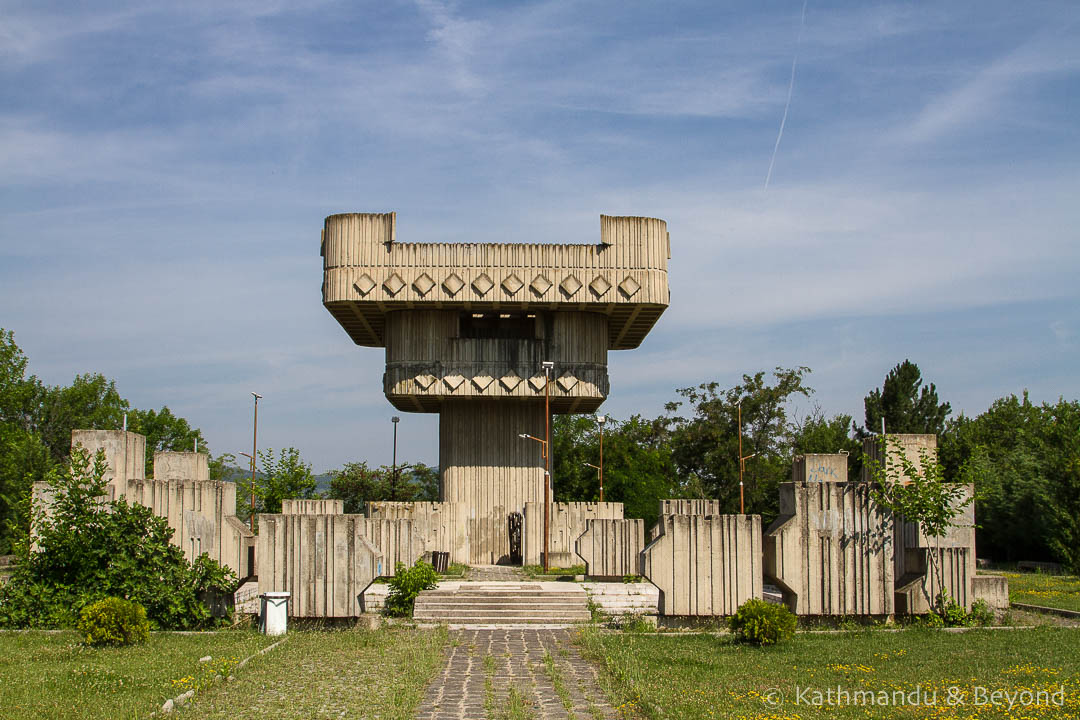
364, 284
453, 381
540, 284
512, 283
393, 284
570, 285
566, 382
453, 284
423, 284
510, 381
482, 382
629, 286
599, 285
424, 381
537, 382
482, 284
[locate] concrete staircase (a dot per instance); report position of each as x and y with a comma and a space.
461, 604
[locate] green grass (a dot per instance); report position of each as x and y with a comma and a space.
704, 676
538, 571
1056, 591
53, 675
348, 673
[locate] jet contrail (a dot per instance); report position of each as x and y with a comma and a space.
791, 87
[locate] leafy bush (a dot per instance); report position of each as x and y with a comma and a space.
761, 623
981, 614
86, 549
407, 583
211, 576
114, 621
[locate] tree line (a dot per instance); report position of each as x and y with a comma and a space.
1023, 458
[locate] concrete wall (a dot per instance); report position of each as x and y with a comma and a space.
611, 548
181, 466
830, 551
567, 524
125, 453
920, 560
441, 527
312, 507
619, 599
690, 507
819, 467
911, 447
324, 561
704, 565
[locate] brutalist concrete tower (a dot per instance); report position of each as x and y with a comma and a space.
467, 327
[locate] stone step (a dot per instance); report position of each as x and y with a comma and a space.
523, 605
495, 616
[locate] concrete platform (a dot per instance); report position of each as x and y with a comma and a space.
500, 604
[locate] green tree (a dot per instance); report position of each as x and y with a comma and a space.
91, 402
906, 405
164, 431
356, 484
283, 476
705, 445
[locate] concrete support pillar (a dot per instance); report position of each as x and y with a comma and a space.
125, 452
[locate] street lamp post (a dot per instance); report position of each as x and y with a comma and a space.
548, 368
254, 452
600, 420
742, 465
393, 472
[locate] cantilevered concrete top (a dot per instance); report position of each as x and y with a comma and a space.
367, 273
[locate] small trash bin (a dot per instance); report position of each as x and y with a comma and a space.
440, 561
273, 613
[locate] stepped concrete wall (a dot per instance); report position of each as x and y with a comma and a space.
441, 526
921, 561
567, 524
830, 551
611, 548
324, 561
704, 565
125, 454
321, 506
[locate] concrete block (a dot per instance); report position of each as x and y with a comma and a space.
611, 548
181, 466
125, 453
567, 524
321, 506
819, 467
830, 551
440, 526
993, 589
704, 565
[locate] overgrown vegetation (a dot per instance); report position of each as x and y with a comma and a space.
407, 583
85, 549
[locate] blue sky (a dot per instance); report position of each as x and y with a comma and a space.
165, 170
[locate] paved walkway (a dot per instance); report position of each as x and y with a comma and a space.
514, 673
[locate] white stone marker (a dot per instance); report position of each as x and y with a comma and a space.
274, 613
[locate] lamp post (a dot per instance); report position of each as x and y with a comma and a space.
393, 472
548, 368
599, 476
254, 452
600, 420
742, 465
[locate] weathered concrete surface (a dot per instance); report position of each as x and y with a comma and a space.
704, 565
618, 599
441, 526
611, 548
169, 465
830, 551
820, 467
125, 455
993, 589
567, 524
322, 506
482, 665
325, 561
921, 561
912, 447
690, 507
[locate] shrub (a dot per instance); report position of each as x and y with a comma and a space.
407, 583
761, 623
114, 621
981, 614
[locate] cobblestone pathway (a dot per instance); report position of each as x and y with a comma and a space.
514, 673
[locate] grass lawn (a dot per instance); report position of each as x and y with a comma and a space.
1057, 591
703, 676
52, 675
345, 674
